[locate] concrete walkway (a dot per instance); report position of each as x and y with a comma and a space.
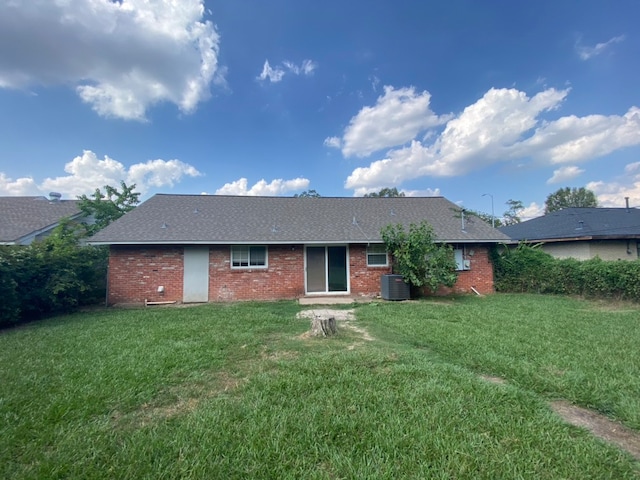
333, 300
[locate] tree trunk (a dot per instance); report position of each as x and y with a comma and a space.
323, 326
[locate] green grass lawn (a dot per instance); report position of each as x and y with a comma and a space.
238, 391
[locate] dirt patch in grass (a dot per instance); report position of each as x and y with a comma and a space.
600, 426
493, 379
344, 319
279, 355
177, 400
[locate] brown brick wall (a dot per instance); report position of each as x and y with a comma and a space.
479, 276
136, 272
365, 281
284, 277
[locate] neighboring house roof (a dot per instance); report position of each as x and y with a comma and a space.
24, 218
216, 219
578, 224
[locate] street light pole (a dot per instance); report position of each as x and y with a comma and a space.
493, 218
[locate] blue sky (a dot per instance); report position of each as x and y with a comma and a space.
513, 99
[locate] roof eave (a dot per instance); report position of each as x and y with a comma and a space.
279, 242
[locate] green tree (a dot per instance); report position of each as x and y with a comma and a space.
570, 197
108, 206
512, 215
308, 193
418, 258
386, 192
485, 217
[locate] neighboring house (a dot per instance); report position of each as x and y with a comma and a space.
208, 248
583, 233
25, 219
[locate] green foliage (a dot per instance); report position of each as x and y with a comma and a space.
529, 269
386, 192
108, 206
417, 257
10, 304
308, 193
53, 276
518, 269
59, 274
485, 217
570, 197
512, 215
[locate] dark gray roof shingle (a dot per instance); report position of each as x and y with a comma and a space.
22, 216
572, 223
271, 220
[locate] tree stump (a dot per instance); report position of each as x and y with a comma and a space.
323, 326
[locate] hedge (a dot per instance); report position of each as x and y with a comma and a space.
529, 269
50, 277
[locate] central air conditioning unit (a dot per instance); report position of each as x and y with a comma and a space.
393, 287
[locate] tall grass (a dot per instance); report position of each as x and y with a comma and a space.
237, 391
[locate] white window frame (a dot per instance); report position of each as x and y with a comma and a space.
371, 253
246, 249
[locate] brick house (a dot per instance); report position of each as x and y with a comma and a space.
209, 248
583, 233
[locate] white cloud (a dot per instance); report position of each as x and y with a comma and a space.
262, 188
275, 75
532, 211
25, 186
502, 126
87, 172
160, 173
428, 192
612, 194
485, 131
305, 68
576, 139
375, 81
332, 142
122, 56
564, 174
587, 52
397, 117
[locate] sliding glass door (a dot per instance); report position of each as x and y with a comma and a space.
327, 269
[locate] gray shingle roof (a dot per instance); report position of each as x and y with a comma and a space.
575, 223
182, 219
23, 216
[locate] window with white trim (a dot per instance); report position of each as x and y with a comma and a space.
377, 255
248, 256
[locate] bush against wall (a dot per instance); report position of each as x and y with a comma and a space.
418, 258
54, 276
528, 269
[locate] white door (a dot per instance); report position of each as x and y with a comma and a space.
196, 274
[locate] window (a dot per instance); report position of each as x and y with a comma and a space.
377, 255
248, 256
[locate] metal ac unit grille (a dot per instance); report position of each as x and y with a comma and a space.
393, 287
